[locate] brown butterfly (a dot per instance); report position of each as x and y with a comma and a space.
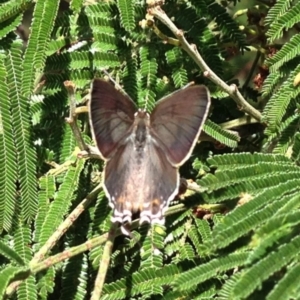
144, 151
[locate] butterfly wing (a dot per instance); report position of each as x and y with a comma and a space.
177, 120
111, 116
135, 183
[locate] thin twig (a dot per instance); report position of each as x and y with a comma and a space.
36, 267
72, 119
65, 225
87, 151
92, 152
67, 254
253, 68
104, 264
194, 54
238, 122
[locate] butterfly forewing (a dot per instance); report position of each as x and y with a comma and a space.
111, 116
177, 120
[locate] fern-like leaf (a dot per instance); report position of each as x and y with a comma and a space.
296, 148
9, 26
225, 22
152, 248
286, 288
46, 193
26, 154
243, 286
277, 106
283, 22
289, 51
195, 276
42, 25
223, 136
126, 9
27, 289
141, 281
12, 8
75, 268
279, 8
64, 196
6, 275
8, 166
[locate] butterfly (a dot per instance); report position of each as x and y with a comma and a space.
143, 151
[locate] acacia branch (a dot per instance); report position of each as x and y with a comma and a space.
192, 51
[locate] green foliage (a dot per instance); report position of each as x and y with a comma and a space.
26, 156
225, 137
7, 160
12, 8
233, 234
225, 23
288, 17
8, 274
283, 65
126, 8
34, 57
